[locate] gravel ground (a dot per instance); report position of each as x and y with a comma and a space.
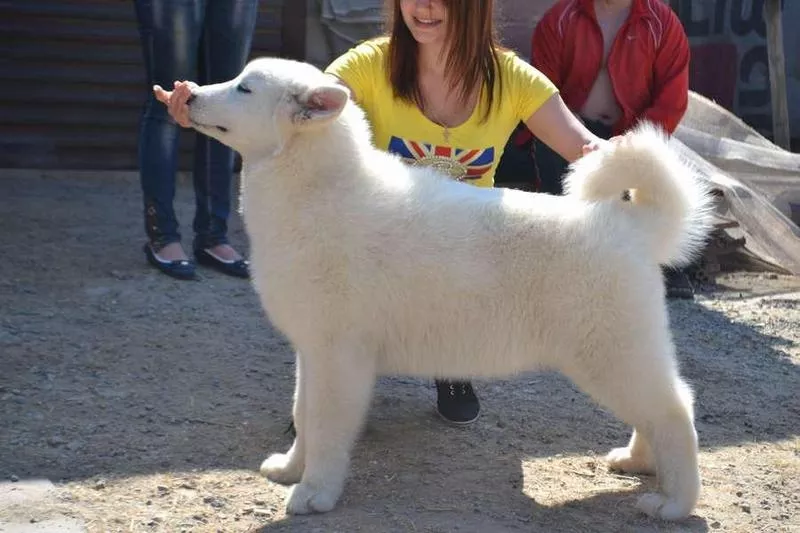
149, 402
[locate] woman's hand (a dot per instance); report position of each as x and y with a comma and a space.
597, 144
176, 99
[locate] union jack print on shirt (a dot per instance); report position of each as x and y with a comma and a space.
459, 163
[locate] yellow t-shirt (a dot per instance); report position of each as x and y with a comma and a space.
468, 152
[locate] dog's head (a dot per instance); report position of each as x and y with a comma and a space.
263, 107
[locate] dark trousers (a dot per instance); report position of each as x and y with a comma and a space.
207, 41
551, 167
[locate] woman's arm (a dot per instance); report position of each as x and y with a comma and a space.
556, 126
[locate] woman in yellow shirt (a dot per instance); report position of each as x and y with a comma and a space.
439, 90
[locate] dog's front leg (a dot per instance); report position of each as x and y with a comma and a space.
636, 458
337, 388
287, 468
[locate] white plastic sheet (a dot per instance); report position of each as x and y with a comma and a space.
760, 181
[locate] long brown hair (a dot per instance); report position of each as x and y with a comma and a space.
473, 52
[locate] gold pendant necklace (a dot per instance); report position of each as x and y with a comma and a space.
446, 134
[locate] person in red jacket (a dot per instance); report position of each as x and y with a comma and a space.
615, 62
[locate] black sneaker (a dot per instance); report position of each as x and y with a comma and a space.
456, 402
678, 284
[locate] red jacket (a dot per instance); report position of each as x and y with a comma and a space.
648, 62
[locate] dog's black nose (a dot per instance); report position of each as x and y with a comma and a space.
191, 98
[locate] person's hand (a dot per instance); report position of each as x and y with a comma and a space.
176, 99
598, 143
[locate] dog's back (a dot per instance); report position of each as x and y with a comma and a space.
435, 271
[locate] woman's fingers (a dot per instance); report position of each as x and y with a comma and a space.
161, 95
590, 147
177, 104
176, 99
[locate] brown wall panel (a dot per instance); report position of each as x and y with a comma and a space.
72, 82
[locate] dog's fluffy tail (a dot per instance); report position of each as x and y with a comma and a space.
670, 203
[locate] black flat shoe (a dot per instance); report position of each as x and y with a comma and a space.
239, 268
456, 402
178, 269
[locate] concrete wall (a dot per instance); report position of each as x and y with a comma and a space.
515, 20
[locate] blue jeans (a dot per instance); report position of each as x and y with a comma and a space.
551, 167
207, 41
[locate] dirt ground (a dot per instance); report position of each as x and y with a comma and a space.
150, 402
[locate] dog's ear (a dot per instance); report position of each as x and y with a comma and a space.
320, 105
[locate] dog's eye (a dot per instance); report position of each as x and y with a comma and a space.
242, 89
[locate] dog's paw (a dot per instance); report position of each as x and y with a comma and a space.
306, 499
660, 506
620, 459
280, 468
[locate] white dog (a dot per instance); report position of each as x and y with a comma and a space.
372, 267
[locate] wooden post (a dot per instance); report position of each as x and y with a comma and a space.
777, 73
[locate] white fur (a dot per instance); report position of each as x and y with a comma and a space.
372, 267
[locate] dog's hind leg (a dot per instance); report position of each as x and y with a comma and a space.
674, 442
647, 393
287, 468
337, 393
